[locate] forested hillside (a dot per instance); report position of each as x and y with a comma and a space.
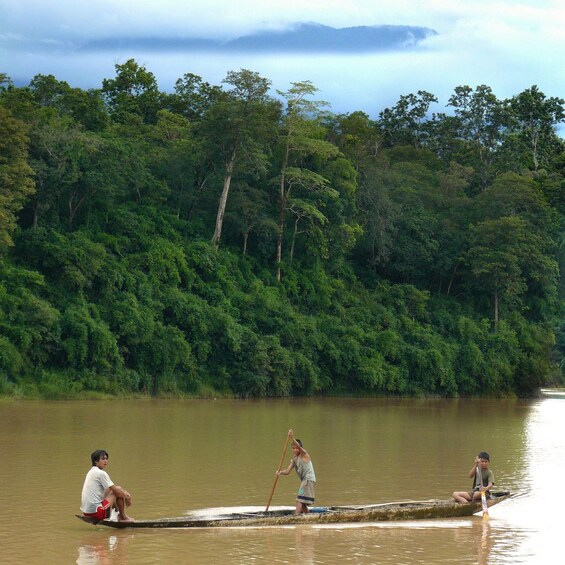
222, 240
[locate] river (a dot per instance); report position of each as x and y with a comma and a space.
177, 456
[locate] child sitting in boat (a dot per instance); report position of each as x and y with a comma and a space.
486, 482
305, 471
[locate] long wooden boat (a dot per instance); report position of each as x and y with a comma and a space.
553, 392
405, 510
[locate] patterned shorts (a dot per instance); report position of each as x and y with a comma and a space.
306, 492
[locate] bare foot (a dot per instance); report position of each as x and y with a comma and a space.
126, 519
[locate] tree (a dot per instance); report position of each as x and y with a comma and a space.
303, 211
193, 97
534, 119
5, 80
250, 213
238, 126
357, 137
378, 214
64, 158
512, 195
474, 134
493, 258
16, 176
85, 107
453, 208
481, 117
134, 92
505, 254
173, 154
404, 124
301, 137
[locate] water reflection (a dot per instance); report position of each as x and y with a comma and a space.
100, 549
485, 543
536, 511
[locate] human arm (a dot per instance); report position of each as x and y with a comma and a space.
487, 488
287, 470
473, 469
303, 453
120, 492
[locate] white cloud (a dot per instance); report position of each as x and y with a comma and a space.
506, 44
92, 18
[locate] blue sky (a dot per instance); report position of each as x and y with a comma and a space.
508, 45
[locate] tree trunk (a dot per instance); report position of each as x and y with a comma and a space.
223, 201
294, 239
245, 238
76, 203
282, 205
535, 138
35, 216
495, 308
452, 278
194, 201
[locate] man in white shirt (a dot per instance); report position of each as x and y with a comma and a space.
100, 494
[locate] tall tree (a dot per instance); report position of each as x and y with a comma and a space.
535, 118
505, 254
405, 123
85, 107
173, 154
61, 154
16, 182
193, 96
250, 213
301, 137
357, 136
134, 92
482, 119
239, 126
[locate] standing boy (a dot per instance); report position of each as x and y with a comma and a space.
481, 466
100, 494
305, 471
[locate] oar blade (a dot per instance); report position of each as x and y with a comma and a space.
485, 506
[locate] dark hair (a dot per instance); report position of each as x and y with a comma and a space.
298, 441
484, 455
97, 455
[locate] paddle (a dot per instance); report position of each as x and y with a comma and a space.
483, 493
277, 475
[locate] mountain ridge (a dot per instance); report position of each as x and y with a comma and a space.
304, 37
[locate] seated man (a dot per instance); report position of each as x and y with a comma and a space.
100, 494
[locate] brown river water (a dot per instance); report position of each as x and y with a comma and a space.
177, 456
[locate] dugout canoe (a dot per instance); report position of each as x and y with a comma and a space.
404, 510
552, 392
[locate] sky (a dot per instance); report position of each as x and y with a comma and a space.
508, 45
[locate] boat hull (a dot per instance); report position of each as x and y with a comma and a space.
406, 510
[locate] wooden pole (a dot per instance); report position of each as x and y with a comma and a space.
278, 470
483, 495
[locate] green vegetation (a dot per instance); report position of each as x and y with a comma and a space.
220, 241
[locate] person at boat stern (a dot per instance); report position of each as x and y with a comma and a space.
100, 494
302, 462
485, 484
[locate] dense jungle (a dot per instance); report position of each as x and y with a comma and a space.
228, 240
